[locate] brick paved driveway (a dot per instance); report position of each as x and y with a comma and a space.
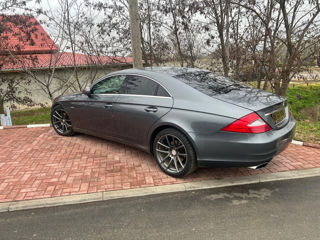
38, 163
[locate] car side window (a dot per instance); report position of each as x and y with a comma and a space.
139, 86
162, 92
108, 85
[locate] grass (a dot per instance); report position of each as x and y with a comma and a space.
308, 131
299, 97
33, 116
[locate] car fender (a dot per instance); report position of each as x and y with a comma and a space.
164, 124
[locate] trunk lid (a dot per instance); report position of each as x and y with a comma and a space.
272, 108
250, 98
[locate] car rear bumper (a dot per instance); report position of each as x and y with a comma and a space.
229, 149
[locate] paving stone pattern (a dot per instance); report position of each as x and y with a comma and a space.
37, 163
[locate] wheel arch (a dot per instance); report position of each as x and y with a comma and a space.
64, 106
163, 126
55, 105
61, 104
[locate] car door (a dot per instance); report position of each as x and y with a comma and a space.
93, 113
141, 102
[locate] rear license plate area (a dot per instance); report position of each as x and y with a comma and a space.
278, 116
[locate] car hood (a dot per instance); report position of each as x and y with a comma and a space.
67, 97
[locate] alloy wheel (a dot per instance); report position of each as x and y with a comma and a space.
61, 121
171, 153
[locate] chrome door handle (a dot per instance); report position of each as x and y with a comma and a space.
108, 105
151, 109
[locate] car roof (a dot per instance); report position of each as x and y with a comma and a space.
171, 71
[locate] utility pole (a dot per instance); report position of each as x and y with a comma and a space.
135, 34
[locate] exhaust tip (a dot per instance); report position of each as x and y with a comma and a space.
259, 166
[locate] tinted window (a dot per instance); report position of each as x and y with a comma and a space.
109, 85
210, 83
139, 86
162, 92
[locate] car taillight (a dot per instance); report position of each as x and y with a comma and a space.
251, 123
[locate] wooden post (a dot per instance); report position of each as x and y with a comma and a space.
135, 34
1, 106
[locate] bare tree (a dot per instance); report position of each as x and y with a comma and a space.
28, 64
297, 33
13, 90
218, 12
182, 28
149, 27
88, 40
50, 83
290, 28
155, 44
8, 92
135, 34
13, 5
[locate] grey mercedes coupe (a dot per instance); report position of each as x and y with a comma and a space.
186, 118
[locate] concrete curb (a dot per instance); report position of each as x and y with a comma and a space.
306, 144
25, 126
174, 188
297, 142
38, 125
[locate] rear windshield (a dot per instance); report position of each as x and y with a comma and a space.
210, 83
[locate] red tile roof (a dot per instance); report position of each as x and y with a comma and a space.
57, 60
24, 35
31, 47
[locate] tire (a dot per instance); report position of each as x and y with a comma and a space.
61, 122
174, 153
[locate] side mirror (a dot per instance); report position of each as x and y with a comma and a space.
86, 91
